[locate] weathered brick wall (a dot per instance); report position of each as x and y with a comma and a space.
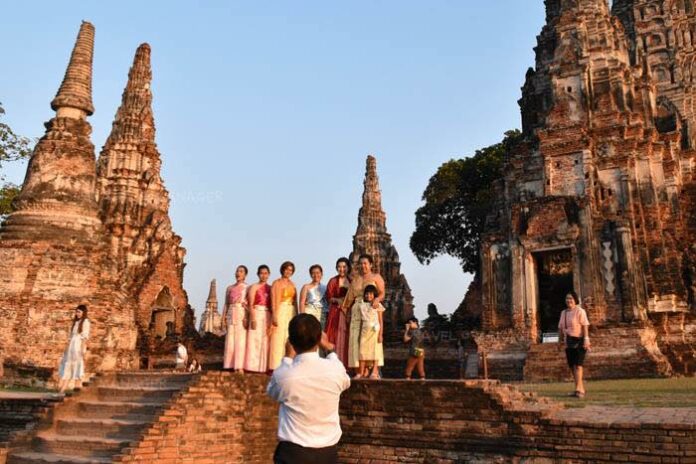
223, 417
227, 418
475, 421
18, 415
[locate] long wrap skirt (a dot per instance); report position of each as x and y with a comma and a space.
257, 342
279, 334
235, 339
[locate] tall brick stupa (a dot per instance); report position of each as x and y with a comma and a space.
134, 206
371, 237
52, 248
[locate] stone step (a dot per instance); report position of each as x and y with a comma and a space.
136, 395
78, 445
102, 428
148, 379
32, 457
119, 410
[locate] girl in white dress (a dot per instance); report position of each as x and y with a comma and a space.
72, 366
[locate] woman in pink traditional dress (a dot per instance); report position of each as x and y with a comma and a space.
236, 321
259, 302
336, 322
284, 303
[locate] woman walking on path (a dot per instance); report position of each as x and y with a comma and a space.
236, 321
259, 303
573, 328
336, 321
313, 295
72, 366
284, 308
353, 299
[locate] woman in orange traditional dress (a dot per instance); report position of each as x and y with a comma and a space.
283, 308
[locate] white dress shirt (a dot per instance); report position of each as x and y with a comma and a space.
308, 389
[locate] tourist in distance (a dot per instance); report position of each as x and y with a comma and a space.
284, 308
72, 366
313, 295
195, 367
353, 299
236, 319
308, 389
413, 335
336, 321
181, 357
573, 328
371, 329
259, 303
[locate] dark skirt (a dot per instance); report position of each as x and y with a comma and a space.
575, 356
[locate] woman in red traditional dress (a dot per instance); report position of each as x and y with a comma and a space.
336, 322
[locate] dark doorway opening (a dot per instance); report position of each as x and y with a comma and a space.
555, 279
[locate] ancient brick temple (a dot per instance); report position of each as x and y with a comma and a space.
82, 234
371, 237
598, 195
134, 207
211, 320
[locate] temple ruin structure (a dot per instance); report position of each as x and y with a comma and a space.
598, 195
372, 238
134, 206
88, 234
211, 320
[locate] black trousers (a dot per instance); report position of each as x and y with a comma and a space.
290, 453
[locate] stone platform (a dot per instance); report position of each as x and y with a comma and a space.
224, 417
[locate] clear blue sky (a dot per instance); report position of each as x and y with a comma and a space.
265, 112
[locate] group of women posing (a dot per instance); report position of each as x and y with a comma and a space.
349, 309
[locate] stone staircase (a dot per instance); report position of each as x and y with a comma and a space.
100, 421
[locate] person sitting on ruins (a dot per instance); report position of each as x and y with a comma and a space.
195, 367
181, 357
414, 336
573, 327
308, 389
72, 366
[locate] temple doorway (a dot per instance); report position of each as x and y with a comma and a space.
554, 269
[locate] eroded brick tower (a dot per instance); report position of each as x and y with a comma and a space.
134, 206
52, 248
595, 195
371, 237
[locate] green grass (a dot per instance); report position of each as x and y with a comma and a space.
673, 393
20, 388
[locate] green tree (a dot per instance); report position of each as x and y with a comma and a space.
13, 147
457, 199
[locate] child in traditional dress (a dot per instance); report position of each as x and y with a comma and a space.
371, 329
